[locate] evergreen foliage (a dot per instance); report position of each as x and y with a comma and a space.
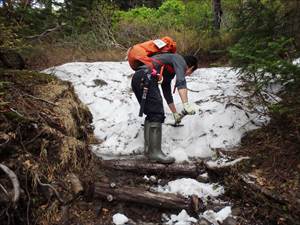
264, 51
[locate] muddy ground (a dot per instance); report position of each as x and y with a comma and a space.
44, 136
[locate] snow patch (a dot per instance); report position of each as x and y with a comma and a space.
188, 187
120, 219
221, 120
219, 217
181, 219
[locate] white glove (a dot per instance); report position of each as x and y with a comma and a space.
188, 109
177, 117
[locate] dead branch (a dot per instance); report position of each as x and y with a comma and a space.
51, 187
214, 165
146, 167
45, 33
40, 99
14, 179
4, 190
15, 111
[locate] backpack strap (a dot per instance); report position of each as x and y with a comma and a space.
168, 67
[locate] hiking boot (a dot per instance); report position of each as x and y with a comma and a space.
155, 153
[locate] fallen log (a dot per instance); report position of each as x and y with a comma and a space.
141, 196
146, 167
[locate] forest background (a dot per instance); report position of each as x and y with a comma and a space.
260, 38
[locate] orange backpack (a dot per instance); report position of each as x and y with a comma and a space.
140, 53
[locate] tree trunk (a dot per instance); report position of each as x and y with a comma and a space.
217, 13
146, 167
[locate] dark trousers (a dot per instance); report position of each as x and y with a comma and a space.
154, 109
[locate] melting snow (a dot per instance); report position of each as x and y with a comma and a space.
188, 187
221, 120
120, 219
181, 219
219, 217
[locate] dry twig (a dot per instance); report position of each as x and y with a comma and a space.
51, 187
15, 111
4, 190
31, 96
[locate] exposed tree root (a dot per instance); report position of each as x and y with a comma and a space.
16, 185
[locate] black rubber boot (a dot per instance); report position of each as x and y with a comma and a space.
146, 137
154, 148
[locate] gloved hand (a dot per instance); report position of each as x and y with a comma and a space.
188, 109
177, 117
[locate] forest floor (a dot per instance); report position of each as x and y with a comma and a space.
274, 151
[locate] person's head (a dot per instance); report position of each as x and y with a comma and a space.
192, 64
